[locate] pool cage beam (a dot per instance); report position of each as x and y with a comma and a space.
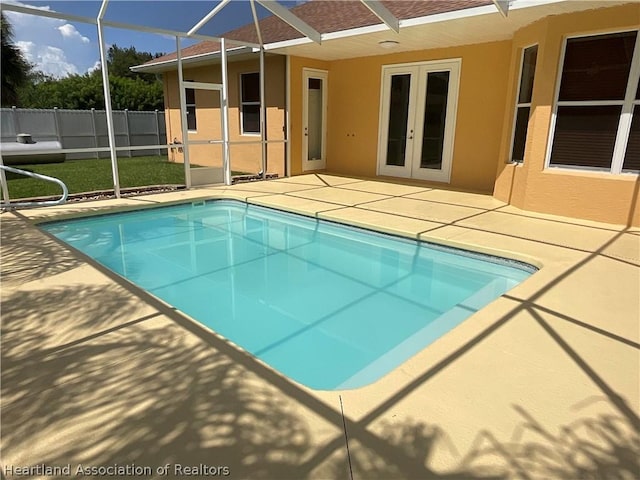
208, 17
380, 11
290, 18
226, 160
502, 6
3, 181
263, 98
263, 116
107, 100
183, 117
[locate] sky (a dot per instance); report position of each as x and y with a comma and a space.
60, 48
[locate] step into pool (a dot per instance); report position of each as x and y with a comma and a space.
328, 305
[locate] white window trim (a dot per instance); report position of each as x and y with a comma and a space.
242, 104
624, 124
520, 105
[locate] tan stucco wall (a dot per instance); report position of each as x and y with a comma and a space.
488, 84
595, 196
244, 158
354, 106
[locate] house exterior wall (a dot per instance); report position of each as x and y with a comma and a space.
576, 193
244, 158
354, 111
486, 105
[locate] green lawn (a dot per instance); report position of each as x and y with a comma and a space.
95, 174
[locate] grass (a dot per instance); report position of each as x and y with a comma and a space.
95, 174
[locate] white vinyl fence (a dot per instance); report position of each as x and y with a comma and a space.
86, 129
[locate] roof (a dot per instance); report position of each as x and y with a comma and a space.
350, 30
325, 16
329, 16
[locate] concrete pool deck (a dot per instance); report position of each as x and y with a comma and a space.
542, 383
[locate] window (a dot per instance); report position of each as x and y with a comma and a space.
596, 118
250, 101
190, 95
523, 103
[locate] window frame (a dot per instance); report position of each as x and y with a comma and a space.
195, 109
626, 113
243, 103
519, 105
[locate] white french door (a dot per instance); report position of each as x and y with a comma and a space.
314, 119
417, 119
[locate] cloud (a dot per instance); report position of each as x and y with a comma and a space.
96, 66
54, 61
68, 31
15, 2
27, 49
48, 59
54, 46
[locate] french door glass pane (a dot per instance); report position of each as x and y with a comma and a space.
528, 71
597, 67
632, 155
435, 113
520, 134
398, 115
585, 136
314, 129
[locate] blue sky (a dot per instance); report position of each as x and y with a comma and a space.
60, 48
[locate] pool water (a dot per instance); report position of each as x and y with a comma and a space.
327, 305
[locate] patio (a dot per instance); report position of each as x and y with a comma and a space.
542, 383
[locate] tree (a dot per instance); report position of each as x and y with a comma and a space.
129, 90
136, 94
15, 69
120, 59
83, 92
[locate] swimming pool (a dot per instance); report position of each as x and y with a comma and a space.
330, 306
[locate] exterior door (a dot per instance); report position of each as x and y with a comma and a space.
314, 119
204, 137
417, 120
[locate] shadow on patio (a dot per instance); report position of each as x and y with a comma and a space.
149, 396
103, 373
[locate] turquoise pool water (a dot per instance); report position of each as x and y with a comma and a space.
327, 305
